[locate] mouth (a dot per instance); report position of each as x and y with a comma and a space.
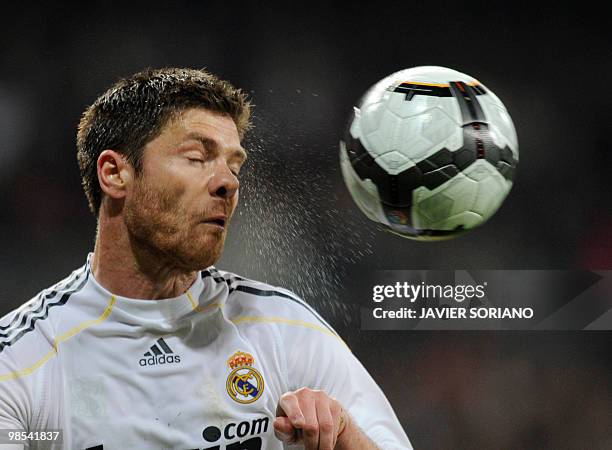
216, 221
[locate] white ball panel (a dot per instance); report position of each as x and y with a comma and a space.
507, 129
463, 191
411, 140
449, 106
453, 197
491, 193
403, 108
454, 142
375, 143
429, 207
387, 134
480, 170
371, 116
364, 193
436, 126
465, 220
394, 162
500, 124
355, 128
491, 95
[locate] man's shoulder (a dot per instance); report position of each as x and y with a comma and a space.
254, 300
23, 329
242, 284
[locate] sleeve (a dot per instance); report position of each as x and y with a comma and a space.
317, 358
15, 399
29, 401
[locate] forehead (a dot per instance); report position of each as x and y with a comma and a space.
217, 126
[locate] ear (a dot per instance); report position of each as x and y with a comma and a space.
115, 174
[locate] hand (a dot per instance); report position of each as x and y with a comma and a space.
310, 417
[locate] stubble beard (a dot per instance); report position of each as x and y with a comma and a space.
161, 229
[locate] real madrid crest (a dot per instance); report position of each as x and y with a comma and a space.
244, 383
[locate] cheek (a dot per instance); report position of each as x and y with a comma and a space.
166, 171
157, 197
171, 178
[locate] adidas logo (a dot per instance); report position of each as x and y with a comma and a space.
160, 353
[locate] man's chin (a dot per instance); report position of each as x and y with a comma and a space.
198, 262
202, 253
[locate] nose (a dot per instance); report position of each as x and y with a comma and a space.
223, 182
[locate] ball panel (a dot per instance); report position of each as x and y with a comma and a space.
455, 196
382, 139
363, 192
437, 127
429, 209
492, 188
394, 162
464, 220
371, 116
500, 123
403, 109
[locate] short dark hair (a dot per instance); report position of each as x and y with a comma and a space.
135, 109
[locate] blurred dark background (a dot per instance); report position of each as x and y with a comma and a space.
305, 65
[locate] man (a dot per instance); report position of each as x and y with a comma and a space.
148, 345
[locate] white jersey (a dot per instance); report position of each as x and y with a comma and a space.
204, 370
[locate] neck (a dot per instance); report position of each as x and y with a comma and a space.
129, 269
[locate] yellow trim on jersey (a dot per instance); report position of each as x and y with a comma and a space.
198, 308
57, 341
262, 319
296, 323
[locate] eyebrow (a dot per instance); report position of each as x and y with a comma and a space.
211, 143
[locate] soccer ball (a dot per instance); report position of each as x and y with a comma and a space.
429, 152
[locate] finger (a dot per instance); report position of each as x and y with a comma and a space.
327, 427
284, 431
310, 430
289, 406
339, 419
